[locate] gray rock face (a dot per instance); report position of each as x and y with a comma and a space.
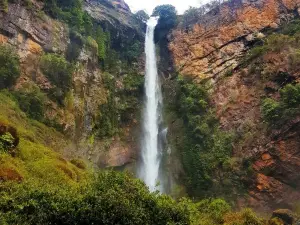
117, 15
31, 24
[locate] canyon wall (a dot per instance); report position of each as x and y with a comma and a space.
216, 53
33, 34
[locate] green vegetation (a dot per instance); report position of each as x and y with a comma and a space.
191, 17
292, 28
103, 41
3, 5
122, 103
167, 20
9, 66
287, 39
110, 198
59, 72
33, 156
71, 12
276, 113
6, 142
142, 15
32, 102
204, 148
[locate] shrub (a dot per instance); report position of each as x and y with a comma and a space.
291, 28
133, 81
110, 198
277, 112
59, 72
6, 142
4, 8
133, 52
271, 110
32, 102
9, 66
91, 43
103, 41
142, 15
192, 16
245, 217
290, 96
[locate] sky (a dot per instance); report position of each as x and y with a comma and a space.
149, 5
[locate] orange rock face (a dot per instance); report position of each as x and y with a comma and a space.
215, 45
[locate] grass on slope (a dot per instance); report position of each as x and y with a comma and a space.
37, 155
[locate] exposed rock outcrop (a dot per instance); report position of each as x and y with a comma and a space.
217, 43
33, 33
116, 14
213, 51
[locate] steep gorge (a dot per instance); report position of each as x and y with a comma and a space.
231, 94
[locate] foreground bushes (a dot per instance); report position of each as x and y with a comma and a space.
111, 198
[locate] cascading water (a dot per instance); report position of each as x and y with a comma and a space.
151, 146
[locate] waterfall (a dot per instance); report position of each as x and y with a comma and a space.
151, 142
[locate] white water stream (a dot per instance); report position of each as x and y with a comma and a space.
151, 147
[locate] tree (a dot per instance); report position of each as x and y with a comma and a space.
167, 16
142, 15
9, 66
192, 16
59, 71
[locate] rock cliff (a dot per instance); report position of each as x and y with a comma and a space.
218, 42
33, 33
215, 53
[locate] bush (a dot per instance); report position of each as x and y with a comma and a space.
271, 110
142, 15
278, 112
4, 8
245, 217
59, 72
111, 198
91, 43
192, 16
133, 52
133, 81
103, 41
291, 28
9, 66
32, 102
290, 96
6, 142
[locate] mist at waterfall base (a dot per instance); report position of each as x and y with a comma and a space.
153, 136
